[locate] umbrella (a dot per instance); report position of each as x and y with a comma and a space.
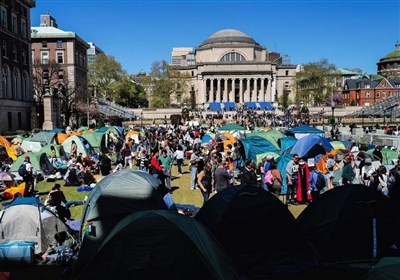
6, 176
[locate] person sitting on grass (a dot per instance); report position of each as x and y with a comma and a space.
62, 241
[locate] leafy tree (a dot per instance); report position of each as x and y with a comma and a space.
104, 72
316, 82
164, 80
130, 94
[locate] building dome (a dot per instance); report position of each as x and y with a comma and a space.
389, 65
229, 36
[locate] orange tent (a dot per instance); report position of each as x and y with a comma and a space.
321, 165
228, 138
61, 137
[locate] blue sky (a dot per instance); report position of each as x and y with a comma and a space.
349, 34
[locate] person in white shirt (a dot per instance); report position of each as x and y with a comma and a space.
179, 155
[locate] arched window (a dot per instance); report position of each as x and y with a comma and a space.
16, 84
6, 82
25, 86
233, 56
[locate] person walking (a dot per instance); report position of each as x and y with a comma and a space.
179, 156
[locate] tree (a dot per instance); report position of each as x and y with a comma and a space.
130, 94
164, 80
316, 82
104, 72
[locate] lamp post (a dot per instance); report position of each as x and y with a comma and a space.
362, 118
333, 105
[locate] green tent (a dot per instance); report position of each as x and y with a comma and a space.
107, 129
47, 150
83, 129
388, 155
83, 145
96, 140
39, 163
44, 137
259, 157
338, 145
269, 136
231, 127
159, 244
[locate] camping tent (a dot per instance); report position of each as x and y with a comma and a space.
231, 127
310, 146
110, 129
286, 143
282, 162
255, 145
115, 197
31, 146
387, 268
44, 137
25, 219
159, 244
258, 232
83, 146
388, 155
96, 140
59, 150
39, 161
352, 224
264, 134
303, 130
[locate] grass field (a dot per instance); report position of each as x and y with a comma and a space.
182, 193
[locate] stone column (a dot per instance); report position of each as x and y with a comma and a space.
211, 99
204, 92
255, 92
262, 89
247, 98
273, 88
225, 94
241, 91
218, 99
268, 91
232, 95
48, 123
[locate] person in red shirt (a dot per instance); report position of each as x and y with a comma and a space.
156, 170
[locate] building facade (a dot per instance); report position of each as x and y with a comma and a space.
16, 95
229, 70
59, 66
389, 65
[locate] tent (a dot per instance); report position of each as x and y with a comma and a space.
96, 140
26, 219
286, 143
282, 162
231, 127
115, 197
255, 145
336, 144
109, 129
388, 155
84, 146
310, 146
302, 130
134, 134
59, 150
44, 137
258, 232
61, 137
159, 244
31, 146
39, 161
268, 136
208, 137
387, 268
352, 224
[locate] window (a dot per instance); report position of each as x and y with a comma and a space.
233, 57
60, 57
9, 121
15, 53
14, 23
45, 57
3, 17
16, 84
23, 55
44, 44
367, 95
23, 28
6, 82
19, 119
59, 44
287, 73
4, 49
25, 86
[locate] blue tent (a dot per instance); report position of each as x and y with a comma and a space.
283, 161
206, 138
287, 143
303, 129
311, 146
255, 145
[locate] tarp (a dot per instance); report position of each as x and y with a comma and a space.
4, 142
304, 129
259, 105
26, 219
40, 163
352, 224
255, 145
115, 197
258, 232
229, 105
96, 140
231, 127
311, 145
83, 145
158, 244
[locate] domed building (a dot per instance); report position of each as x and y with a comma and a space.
389, 66
230, 69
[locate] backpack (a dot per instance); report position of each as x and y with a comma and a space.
269, 178
321, 182
22, 170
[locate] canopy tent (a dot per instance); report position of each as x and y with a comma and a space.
39, 161
58, 148
44, 137
388, 155
254, 145
352, 224
83, 145
258, 232
259, 105
158, 244
115, 197
286, 143
310, 146
96, 140
231, 127
26, 219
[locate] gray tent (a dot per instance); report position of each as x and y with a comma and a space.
25, 219
158, 244
115, 197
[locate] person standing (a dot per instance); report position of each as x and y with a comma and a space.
194, 162
204, 181
347, 172
222, 176
156, 170
179, 156
74, 149
127, 155
53, 156
292, 169
28, 177
303, 182
166, 163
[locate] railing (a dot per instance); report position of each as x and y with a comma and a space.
111, 109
